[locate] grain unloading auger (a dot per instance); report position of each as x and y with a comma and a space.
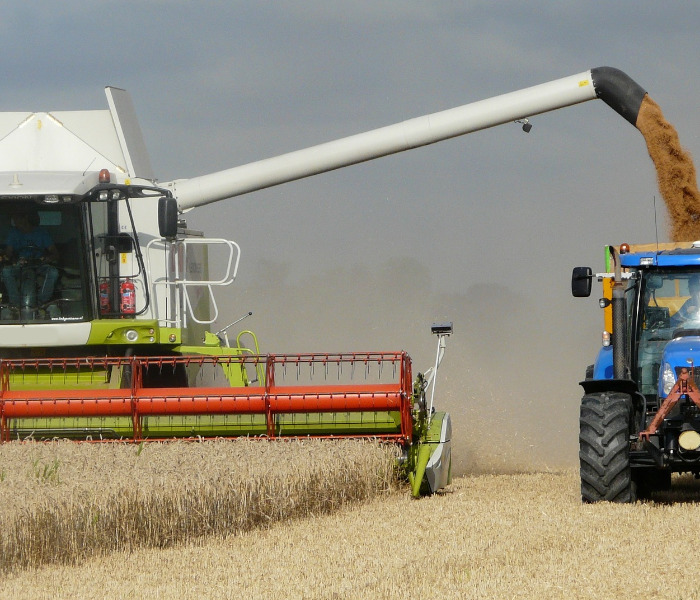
107, 295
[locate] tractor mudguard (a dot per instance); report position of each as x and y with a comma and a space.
603, 367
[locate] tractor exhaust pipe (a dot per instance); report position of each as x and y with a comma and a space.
619, 318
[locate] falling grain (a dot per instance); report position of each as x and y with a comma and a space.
675, 172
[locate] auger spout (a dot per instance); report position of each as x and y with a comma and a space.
619, 91
611, 85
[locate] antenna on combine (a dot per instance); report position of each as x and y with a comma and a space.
656, 226
225, 329
441, 330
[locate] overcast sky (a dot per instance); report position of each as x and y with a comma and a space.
221, 83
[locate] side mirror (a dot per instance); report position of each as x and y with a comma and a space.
581, 281
167, 217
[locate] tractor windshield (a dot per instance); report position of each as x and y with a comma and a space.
43, 268
670, 306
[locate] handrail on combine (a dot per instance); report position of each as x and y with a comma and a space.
180, 279
282, 393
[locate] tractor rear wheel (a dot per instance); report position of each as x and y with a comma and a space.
604, 451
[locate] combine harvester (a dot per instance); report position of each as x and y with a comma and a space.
104, 325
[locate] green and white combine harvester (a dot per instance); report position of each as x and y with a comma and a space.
108, 297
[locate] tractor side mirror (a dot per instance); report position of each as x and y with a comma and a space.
581, 281
167, 217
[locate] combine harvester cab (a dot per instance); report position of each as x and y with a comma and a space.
107, 296
640, 415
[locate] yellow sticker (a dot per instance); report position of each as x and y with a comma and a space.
38, 124
123, 254
583, 83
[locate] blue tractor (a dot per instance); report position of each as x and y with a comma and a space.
640, 413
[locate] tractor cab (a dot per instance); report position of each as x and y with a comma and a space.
663, 314
664, 326
662, 293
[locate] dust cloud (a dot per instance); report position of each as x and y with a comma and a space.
675, 172
508, 414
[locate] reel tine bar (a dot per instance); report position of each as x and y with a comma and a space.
270, 399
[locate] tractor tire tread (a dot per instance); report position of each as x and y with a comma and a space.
604, 448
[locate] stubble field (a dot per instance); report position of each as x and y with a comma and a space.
487, 536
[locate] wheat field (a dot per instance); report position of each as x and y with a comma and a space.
488, 536
63, 502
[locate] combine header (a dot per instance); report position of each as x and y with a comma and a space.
286, 402
359, 395
108, 296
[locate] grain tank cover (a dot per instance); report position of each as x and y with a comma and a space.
78, 141
138, 163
